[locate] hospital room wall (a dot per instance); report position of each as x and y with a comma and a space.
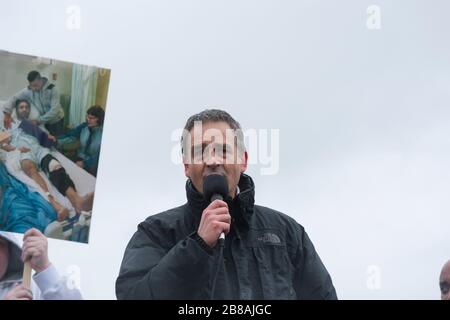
102, 87
14, 69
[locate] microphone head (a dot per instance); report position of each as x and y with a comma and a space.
215, 184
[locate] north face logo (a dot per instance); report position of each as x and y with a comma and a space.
269, 237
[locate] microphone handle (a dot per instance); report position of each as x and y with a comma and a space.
217, 196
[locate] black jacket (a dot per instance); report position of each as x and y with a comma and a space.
267, 255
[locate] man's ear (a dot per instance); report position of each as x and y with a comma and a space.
186, 170
244, 161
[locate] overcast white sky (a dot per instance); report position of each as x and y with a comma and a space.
363, 118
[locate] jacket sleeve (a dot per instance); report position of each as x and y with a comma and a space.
33, 130
91, 161
151, 269
10, 104
54, 287
312, 280
52, 113
70, 136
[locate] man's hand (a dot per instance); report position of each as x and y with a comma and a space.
50, 137
8, 147
19, 292
34, 250
7, 120
215, 220
35, 122
24, 149
80, 163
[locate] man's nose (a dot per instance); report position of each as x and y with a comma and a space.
213, 159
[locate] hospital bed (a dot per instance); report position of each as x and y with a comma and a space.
75, 227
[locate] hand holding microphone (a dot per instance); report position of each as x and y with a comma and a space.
216, 219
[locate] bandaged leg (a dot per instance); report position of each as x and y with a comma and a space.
57, 174
61, 180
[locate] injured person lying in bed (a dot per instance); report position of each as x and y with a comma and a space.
27, 147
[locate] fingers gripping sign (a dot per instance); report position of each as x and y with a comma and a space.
34, 250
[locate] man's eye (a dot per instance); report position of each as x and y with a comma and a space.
227, 150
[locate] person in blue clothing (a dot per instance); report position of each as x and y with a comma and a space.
89, 134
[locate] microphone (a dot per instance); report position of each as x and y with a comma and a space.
215, 187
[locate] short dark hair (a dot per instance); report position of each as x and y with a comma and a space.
97, 112
214, 115
33, 75
19, 101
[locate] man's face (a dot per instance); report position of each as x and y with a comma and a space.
212, 153
36, 85
4, 257
23, 111
91, 120
444, 282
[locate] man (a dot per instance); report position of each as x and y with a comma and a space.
444, 281
23, 110
44, 96
28, 138
50, 285
89, 134
267, 255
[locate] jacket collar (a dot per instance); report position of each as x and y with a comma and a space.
241, 207
94, 129
46, 83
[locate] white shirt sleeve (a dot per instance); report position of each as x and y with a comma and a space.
55, 287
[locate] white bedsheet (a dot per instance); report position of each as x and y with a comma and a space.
84, 182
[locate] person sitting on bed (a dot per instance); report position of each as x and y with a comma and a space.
23, 110
89, 134
33, 154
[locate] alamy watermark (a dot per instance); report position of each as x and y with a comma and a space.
200, 146
73, 18
73, 280
373, 21
373, 281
